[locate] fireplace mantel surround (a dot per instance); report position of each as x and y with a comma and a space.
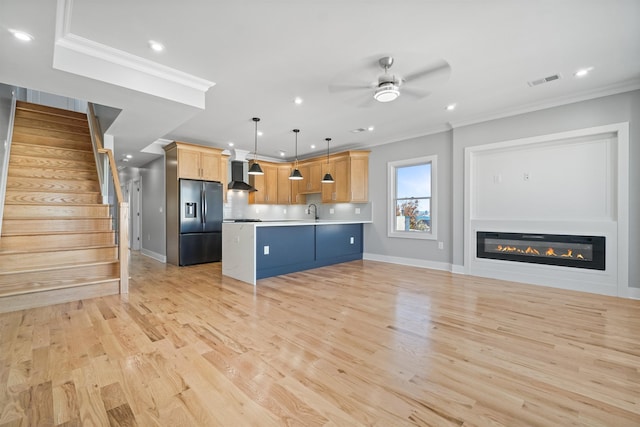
569, 183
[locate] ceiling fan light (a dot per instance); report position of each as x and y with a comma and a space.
295, 175
327, 179
255, 169
386, 92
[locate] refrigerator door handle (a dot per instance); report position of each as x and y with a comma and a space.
204, 206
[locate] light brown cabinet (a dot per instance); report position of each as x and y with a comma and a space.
197, 162
311, 175
284, 185
266, 185
350, 171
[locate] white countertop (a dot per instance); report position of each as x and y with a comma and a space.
297, 222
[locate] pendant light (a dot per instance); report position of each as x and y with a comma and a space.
296, 175
327, 179
255, 168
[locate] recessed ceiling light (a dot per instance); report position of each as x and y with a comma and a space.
230, 144
297, 100
259, 133
313, 146
129, 156
282, 153
583, 72
125, 160
157, 46
451, 107
21, 35
370, 128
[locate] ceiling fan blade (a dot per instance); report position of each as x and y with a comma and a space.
415, 93
441, 70
346, 87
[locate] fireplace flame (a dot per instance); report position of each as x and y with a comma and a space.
569, 254
550, 252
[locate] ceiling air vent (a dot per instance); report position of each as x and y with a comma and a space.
544, 80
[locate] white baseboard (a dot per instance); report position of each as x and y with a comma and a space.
154, 255
458, 269
633, 293
408, 261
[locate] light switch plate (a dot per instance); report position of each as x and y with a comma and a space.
266, 250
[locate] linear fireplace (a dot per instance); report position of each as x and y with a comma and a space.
550, 249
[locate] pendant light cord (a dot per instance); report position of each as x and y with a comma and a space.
255, 146
296, 132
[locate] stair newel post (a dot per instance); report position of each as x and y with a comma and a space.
123, 246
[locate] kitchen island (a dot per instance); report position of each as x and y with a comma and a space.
255, 250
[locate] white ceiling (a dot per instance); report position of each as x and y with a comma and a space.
262, 54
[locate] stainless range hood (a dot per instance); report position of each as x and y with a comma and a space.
239, 168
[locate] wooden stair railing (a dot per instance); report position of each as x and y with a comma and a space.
122, 206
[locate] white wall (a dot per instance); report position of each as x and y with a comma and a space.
153, 233
623, 107
410, 251
450, 147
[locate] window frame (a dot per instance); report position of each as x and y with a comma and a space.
391, 198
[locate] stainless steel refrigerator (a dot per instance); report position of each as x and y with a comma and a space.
200, 221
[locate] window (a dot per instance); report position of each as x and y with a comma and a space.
412, 204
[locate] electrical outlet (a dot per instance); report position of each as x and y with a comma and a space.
236, 239
160, 209
357, 211
352, 240
284, 211
526, 176
332, 211
440, 245
265, 250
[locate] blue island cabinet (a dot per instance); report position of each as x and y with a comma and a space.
286, 249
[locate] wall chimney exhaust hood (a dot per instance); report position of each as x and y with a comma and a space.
239, 172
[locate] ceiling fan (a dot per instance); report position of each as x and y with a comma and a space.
389, 87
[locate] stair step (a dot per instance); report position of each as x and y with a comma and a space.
51, 133
52, 174
21, 262
56, 241
30, 281
54, 126
12, 211
62, 293
29, 226
28, 106
38, 162
26, 138
26, 197
53, 284
54, 118
45, 184
31, 150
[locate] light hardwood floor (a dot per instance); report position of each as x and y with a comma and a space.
362, 343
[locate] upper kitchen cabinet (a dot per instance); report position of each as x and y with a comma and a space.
266, 185
284, 185
197, 161
311, 176
350, 171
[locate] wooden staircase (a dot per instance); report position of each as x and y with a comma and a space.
57, 242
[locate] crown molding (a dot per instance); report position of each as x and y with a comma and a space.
79, 55
627, 86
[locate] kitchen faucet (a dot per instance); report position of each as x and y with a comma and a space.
315, 210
